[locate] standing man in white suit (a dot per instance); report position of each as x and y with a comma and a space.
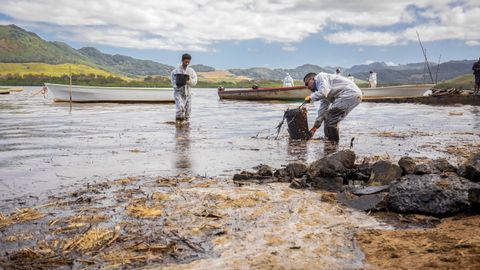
183, 78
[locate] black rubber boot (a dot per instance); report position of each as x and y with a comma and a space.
332, 134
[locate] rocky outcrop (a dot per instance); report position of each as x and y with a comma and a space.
337, 164
471, 168
407, 164
431, 194
384, 172
431, 187
438, 165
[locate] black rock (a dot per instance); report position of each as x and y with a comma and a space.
443, 165
425, 168
370, 202
298, 183
243, 176
332, 184
264, 170
337, 164
365, 169
471, 168
474, 196
430, 194
435, 166
296, 170
282, 175
407, 164
384, 172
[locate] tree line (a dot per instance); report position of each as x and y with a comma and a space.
101, 80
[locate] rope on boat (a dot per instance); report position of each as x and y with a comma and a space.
43, 91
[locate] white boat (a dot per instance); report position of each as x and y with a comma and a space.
417, 90
109, 94
300, 92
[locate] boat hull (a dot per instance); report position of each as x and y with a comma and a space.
61, 93
298, 93
397, 91
284, 93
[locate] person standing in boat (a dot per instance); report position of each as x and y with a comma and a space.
183, 78
372, 79
476, 72
337, 96
288, 81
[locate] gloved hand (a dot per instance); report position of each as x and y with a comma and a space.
308, 99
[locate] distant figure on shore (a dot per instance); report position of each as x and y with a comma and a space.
288, 81
372, 79
183, 78
337, 96
476, 73
337, 72
350, 77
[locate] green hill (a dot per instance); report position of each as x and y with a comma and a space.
20, 46
126, 64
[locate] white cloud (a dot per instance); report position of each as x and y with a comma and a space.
289, 48
198, 25
363, 38
473, 42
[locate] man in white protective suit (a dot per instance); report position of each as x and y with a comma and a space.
288, 81
183, 78
372, 79
337, 96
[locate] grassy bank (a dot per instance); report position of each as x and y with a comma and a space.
462, 82
51, 69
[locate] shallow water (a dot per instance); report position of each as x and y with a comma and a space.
44, 147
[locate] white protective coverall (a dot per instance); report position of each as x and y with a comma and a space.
337, 96
288, 81
372, 79
183, 95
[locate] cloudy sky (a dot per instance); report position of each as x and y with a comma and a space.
270, 33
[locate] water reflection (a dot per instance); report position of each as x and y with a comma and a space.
329, 147
298, 150
476, 112
183, 162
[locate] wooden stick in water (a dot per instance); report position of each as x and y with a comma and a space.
70, 76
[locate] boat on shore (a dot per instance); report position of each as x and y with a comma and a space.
414, 90
300, 92
4, 91
276, 93
9, 90
61, 93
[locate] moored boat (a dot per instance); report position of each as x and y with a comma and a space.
300, 92
4, 91
414, 90
278, 93
109, 94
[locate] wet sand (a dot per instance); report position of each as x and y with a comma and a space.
453, 244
